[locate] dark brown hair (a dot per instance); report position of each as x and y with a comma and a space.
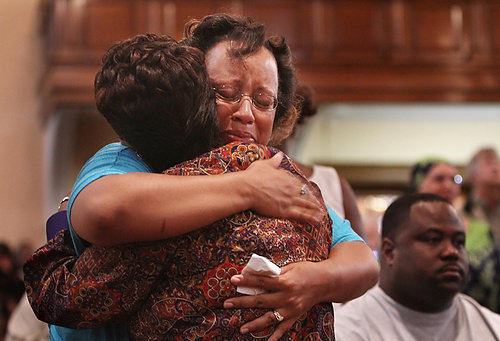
155, 93
249, 37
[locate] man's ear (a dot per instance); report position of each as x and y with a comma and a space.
387, 250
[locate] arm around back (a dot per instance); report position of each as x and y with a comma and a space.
350, 271
132, 207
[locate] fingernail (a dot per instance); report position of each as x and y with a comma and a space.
244, 330
228, 305
236, 279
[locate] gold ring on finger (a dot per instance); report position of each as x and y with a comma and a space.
278, 316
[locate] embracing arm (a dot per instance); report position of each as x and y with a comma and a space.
135, 207
349, 272
126, 274
104, 284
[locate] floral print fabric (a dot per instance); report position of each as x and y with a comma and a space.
175, 289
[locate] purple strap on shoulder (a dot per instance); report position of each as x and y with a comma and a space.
56, 223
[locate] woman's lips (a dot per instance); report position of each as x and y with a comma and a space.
241, 136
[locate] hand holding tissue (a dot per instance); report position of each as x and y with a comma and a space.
258, 265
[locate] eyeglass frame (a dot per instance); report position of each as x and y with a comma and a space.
239, 96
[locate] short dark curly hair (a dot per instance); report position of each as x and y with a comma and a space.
250, 35
156, 95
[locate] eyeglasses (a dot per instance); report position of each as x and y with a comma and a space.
232, 95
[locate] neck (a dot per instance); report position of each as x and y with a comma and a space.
425, 302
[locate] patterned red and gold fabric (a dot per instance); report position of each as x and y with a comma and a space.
175, 289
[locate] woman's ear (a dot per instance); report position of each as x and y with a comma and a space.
387, 250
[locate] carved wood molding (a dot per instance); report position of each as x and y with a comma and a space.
347, 50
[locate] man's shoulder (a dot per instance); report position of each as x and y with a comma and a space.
371, 298
481, 320
468, 303
364, 318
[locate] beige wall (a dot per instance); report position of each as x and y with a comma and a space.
21, 131
398, 134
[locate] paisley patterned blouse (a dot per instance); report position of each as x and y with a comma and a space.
174, 289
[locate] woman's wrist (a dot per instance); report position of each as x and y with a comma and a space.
245, 189
352, 271
324, 281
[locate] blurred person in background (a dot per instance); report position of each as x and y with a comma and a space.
11, 286
482, 211
23, 324
436, 176
336, 191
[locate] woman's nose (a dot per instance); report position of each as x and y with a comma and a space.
244, 112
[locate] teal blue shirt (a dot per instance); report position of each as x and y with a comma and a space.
114, 158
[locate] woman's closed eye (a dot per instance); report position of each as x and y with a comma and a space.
260, 100
264, 100
227, 92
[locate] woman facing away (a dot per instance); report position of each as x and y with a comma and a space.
253, 82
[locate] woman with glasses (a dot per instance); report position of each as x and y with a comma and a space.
254, 83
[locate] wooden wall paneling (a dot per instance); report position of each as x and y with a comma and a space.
107, 21
492, 22
481, 51
83, 30
54, 13
402, 83
288, 18
486, 31
401, 49
64, 34
352, 31
439, 30
357, 50
465, 35
149, 16
178, 13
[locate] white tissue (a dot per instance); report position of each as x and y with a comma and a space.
258, 265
